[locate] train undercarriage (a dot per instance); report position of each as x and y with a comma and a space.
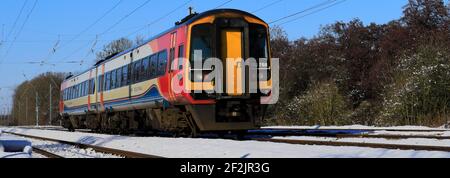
189, 120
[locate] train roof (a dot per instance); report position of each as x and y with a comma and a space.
178, 25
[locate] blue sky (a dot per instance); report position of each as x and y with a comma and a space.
60, 20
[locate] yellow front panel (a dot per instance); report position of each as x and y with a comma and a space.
232, 53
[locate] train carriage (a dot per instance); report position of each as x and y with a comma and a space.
133, 90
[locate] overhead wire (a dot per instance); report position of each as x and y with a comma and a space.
108, 29
314, 12
19, 32
160, 18
267, 6
223, 4
327, 2
17, 18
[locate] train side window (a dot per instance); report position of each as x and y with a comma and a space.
101, 83
85, 88
162, 62
119, 78
108, 81
136, 71
78, 91
82, 88
95, 86
144, 69
75, 92
90, 87
153, 64
113, 79
180, 56
124, 75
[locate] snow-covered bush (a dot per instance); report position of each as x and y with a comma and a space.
420, 93
321, 104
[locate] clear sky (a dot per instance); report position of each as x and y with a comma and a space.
59, 21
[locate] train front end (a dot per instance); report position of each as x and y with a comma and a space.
228, 69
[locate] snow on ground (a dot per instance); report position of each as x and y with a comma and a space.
220, 148
411, 141
357, 127
68, 151
440, 134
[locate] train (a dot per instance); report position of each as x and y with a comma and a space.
133, 90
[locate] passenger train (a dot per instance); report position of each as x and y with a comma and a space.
132, 90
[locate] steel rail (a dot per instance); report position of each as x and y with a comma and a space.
358, 144
126, 154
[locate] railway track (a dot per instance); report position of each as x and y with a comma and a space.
335, 133
359, 130
122, 153
47, 154
358, 144
385, 136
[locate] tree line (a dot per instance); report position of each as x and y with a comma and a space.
377, 74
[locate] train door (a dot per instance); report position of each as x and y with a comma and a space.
100, 88
172, 61
232, 55
95, 89
89, 86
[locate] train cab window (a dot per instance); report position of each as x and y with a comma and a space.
201, 40
153, 65
258, 41
259, 49
125, 76
144, 68
113, 79
180, 56
162, 62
